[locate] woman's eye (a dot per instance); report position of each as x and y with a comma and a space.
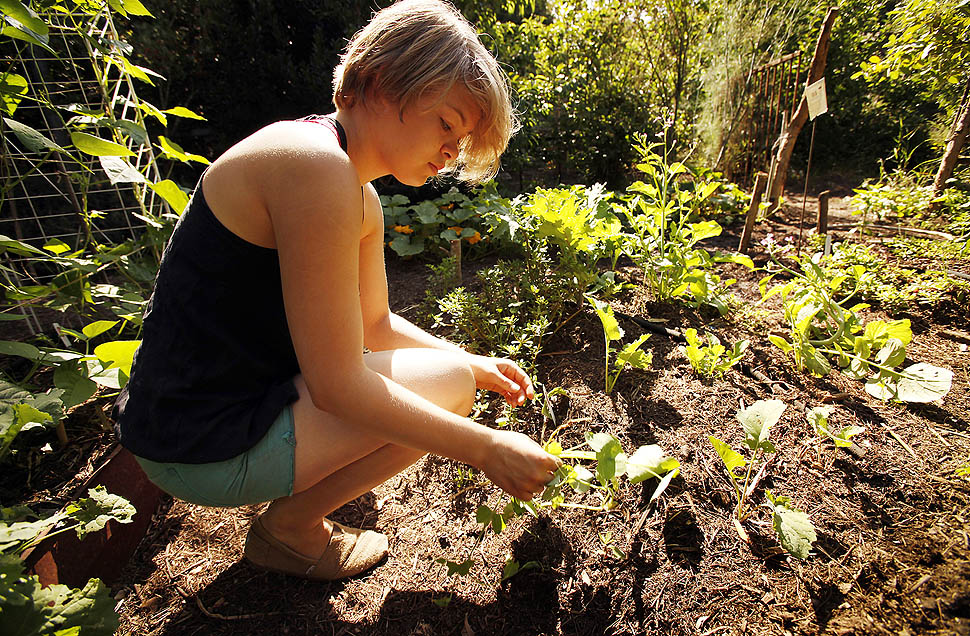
445, 126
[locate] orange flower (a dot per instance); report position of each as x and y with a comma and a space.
474, 238
449, 206
456, 229
403, 229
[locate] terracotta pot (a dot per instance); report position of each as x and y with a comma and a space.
64, 559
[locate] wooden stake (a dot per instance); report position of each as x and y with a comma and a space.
456, 253
822, 224
760, 181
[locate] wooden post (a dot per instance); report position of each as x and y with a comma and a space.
456, 253
760, 181
815, 73
822, 225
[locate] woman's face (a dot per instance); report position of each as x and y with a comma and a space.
417, 145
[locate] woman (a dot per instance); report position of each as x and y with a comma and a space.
251, 383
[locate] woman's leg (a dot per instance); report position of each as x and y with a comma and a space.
335, 463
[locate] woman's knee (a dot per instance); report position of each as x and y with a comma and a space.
442, 377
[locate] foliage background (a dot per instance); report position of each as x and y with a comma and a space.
587, 76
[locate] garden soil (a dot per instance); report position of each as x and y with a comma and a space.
892, 515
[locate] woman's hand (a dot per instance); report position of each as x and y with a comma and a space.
518, 465
503, 377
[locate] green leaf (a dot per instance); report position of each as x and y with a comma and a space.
117, 353
892, 354
58, 610
406, 246
95, 511
781, 343
32, 140
611, 328
731, 458
173, 195
12, 89
757, 420
77, 386
181, 111
706, 229
793, 527
648, 462
918, 383
172, 150
454, 568
25, 16
95, 329
21, 349
97, 147
844, 437
631, 354
57, 247
484, 515
120, 171
135, 7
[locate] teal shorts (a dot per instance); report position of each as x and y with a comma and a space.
263, 473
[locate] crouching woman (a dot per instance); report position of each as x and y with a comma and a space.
252, 383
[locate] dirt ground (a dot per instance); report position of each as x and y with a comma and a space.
892, 517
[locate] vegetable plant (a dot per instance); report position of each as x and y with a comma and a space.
28, 608
663, 218
793, 528
426, 227
630, 354
599, 480
823, 330
581, 224
818, 418
711, 358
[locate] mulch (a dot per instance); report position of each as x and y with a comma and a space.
892, 516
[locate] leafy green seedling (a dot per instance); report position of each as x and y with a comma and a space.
601, 481
630, 354
793, 527
824, 330
512, 568
756, 421
713, 358
818, 417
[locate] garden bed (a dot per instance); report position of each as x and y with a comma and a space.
891, 513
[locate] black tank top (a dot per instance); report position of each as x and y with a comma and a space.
216, 363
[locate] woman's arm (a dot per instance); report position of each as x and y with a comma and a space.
314, 200
386, 330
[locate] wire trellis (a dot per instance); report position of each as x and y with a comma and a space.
50, 197
773, 96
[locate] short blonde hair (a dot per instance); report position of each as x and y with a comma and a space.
422, 48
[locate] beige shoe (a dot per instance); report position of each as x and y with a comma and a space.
350, 552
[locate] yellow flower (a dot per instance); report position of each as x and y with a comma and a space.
403, 229
474, 238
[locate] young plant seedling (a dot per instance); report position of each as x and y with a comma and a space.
630, 354
711, 359
793, 528
601, 479
756, 420
823, 329
818, 417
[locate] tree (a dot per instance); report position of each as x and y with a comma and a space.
931, 40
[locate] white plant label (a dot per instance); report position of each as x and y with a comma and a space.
817, 103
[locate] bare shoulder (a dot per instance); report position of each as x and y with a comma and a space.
282, 171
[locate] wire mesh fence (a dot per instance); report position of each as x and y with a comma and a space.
69, 199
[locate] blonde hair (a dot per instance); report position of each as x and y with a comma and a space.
422, 48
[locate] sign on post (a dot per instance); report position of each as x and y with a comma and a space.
815, 95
